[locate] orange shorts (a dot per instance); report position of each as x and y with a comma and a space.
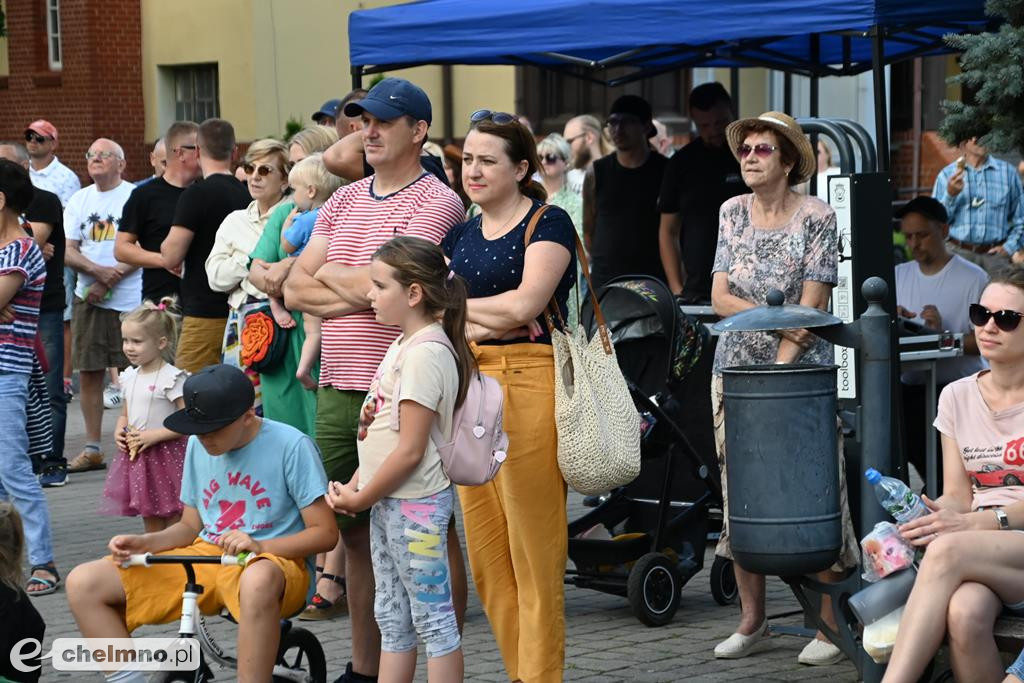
153, 594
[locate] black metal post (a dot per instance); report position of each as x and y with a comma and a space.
357, 76
876, 416
734, 90
787, 93
447, 97
881, 118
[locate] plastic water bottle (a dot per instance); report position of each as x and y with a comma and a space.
896, 497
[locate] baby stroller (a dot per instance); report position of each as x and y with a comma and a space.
647, 539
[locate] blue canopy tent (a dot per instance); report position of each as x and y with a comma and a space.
586, 38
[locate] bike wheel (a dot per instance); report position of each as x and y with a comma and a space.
301, 651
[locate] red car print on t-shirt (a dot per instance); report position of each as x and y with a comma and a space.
994, 475
230, 515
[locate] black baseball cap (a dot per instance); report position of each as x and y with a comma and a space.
391, 98
635, 106
929, 207
214, 397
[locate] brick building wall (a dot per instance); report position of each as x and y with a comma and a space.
935, 155
98, 92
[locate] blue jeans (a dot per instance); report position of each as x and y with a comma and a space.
1017, 668
51, 329
17, 481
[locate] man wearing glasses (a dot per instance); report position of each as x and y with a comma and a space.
148, 215
620, 197
935, 291
200, 210
105, 289
47, 172
985, 202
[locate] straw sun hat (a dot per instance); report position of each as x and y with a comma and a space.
783, 125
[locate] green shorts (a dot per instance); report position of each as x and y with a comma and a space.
337, 423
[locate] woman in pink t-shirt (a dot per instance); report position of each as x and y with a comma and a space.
973, 569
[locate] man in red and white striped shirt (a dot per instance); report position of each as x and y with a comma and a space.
331, 279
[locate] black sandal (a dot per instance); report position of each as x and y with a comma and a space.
320, 608
49, 585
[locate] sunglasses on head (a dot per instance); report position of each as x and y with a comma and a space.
499, 117
1006, 320
762, 149
35, 137
550, 158
263, 170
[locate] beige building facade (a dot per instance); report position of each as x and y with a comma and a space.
279, 60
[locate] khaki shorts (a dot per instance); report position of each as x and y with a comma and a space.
96, 338
199, 343
849, 554
153, 594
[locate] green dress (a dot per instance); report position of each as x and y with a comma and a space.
284, 397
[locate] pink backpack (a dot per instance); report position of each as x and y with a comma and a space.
478, 444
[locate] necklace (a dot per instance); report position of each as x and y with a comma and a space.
504, 226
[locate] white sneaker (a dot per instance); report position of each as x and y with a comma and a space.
738, 645
820, 653
112, 396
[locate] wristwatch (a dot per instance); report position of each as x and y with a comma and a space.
1004, 521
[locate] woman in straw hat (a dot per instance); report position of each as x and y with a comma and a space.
774, 238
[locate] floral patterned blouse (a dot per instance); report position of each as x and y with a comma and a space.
759, 260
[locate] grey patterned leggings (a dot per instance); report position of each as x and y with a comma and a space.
408, 543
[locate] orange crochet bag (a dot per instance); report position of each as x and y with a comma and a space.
263, 340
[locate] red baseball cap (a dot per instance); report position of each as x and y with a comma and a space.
44, 128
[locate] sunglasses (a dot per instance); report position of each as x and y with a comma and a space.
762, 149
551, 158
102, 156
1006, 320
499, 117
263, 170
35, 137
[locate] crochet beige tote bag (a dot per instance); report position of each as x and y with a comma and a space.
598, 425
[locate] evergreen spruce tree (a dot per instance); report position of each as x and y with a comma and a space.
993, 68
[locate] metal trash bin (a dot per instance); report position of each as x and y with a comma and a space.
783, 473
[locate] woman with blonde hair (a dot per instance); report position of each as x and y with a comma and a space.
227, 267
269, 268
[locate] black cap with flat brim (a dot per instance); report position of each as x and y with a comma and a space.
214, 397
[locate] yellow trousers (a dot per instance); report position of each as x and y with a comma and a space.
516, 526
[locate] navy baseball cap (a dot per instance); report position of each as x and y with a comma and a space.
214, 397
391, 98
329, 108
929, 207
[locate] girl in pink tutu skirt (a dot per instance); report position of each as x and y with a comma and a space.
145, 476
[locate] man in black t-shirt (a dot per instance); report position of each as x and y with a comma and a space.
698, 179
199, 213
147, 215
620, 197
45, 217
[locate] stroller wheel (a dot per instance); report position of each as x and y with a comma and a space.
723, 582
653, 589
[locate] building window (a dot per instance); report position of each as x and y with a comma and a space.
53, 33
196, 92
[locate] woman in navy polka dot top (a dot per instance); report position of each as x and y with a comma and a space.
516, 526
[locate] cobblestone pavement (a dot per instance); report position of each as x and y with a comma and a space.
604, 641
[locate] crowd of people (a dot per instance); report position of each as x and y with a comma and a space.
229, 314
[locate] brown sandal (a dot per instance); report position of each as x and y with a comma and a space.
86, 461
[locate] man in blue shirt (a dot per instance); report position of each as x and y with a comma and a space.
249, 485
983, 197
